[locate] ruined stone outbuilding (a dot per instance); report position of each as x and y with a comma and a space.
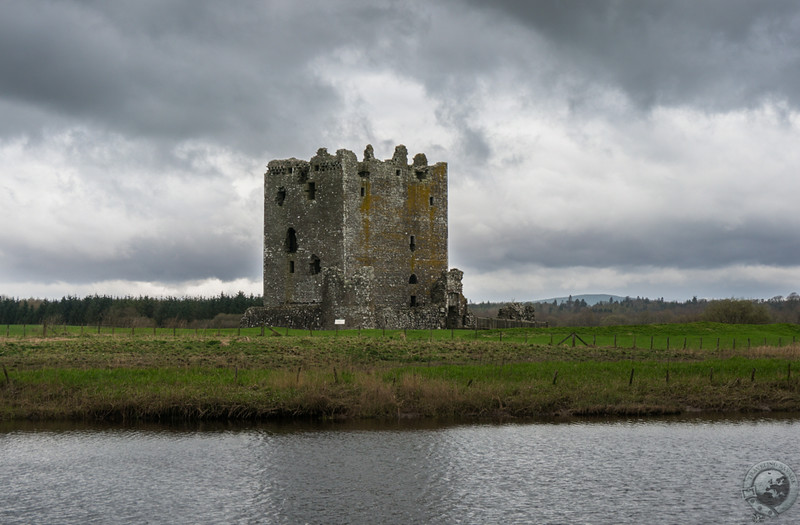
357, 244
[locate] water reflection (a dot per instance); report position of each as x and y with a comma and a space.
678, 470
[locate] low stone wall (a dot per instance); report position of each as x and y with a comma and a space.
489, 323
307, 317
312, 317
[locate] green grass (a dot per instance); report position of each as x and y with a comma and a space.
239, 374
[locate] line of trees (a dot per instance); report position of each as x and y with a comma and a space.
639, 310
218, 311
226, 310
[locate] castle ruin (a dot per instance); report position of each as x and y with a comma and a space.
357, 244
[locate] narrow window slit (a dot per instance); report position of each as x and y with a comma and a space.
291, 241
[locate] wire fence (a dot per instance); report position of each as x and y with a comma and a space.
528, 334
493, 323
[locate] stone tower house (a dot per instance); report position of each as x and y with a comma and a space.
358, 244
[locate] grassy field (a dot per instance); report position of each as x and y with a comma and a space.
166, 374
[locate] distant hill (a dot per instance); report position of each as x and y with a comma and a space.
590, 298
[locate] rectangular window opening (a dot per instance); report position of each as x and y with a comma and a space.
311, 189
397, 172
291, 266
430, 201
412, 244
413, 300
363, 191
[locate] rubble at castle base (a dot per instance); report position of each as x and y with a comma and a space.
311, 317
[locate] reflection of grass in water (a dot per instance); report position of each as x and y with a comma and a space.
376, 375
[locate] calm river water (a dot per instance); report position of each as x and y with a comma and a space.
631, 471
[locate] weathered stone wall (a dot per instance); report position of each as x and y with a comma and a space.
361, 241
303, 209
293, 316
398, 226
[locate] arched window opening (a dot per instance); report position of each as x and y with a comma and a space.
314, 266
412, 279
291, 241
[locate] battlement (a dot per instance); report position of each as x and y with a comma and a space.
326, 162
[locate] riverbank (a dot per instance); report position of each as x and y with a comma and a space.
97, 377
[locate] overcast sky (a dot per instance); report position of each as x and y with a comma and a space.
627, 147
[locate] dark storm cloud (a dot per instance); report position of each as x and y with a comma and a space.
238, 75
687, 245
714, 54
165, 260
